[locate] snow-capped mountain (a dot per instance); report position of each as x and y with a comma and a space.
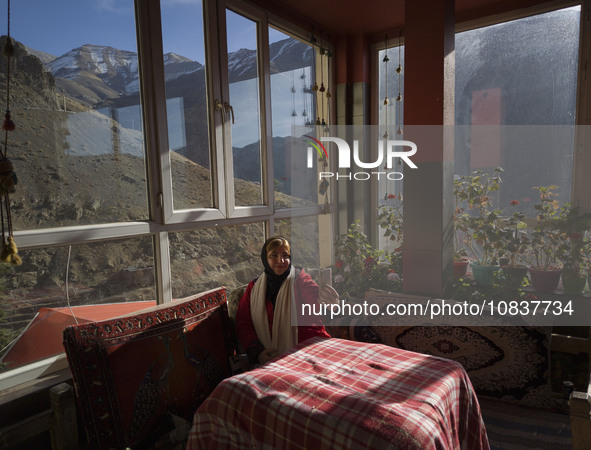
118, 69
94, 73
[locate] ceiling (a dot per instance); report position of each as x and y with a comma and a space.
374, 17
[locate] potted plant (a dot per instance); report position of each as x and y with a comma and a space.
515, 243
480, 222
461, 262
574, 268
359, 266
546, 242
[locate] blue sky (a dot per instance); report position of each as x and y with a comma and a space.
58, 26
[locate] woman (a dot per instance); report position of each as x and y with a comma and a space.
263, 319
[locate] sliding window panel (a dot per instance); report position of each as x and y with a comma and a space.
187, 71
78, 147
294, 111
243, 109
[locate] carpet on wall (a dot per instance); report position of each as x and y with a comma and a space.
510, 363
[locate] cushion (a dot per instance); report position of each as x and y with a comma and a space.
132, 373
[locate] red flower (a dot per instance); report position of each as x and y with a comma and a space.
369, 261
514, 202
339, 264
391, 196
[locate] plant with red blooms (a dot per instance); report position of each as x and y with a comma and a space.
360, 266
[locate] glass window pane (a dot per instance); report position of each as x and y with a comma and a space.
186, 104
78, 146
222, 256
61, 286
244, 82
515, 103
303, 235
391, 126
293, 105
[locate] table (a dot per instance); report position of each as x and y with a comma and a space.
334, 393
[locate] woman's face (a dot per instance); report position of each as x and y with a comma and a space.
279, 259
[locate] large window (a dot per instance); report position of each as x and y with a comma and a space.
145, 160
515, 100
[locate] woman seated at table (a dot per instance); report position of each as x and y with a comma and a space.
263, 319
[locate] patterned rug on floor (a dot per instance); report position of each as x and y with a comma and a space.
514, 427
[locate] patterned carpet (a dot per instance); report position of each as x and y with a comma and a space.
513, 427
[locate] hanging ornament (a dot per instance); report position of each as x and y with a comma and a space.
399, 72
386, 99
8, 47
8, 179
8, 124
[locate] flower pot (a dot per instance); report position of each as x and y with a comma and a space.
514, 275
573, 283
460, 268
544, 280
483, 274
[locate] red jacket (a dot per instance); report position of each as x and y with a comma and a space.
306, 291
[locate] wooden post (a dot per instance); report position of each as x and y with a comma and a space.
64, 425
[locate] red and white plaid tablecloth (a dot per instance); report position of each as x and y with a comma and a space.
337, 394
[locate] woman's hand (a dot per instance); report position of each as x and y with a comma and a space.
328, 295
267, 354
